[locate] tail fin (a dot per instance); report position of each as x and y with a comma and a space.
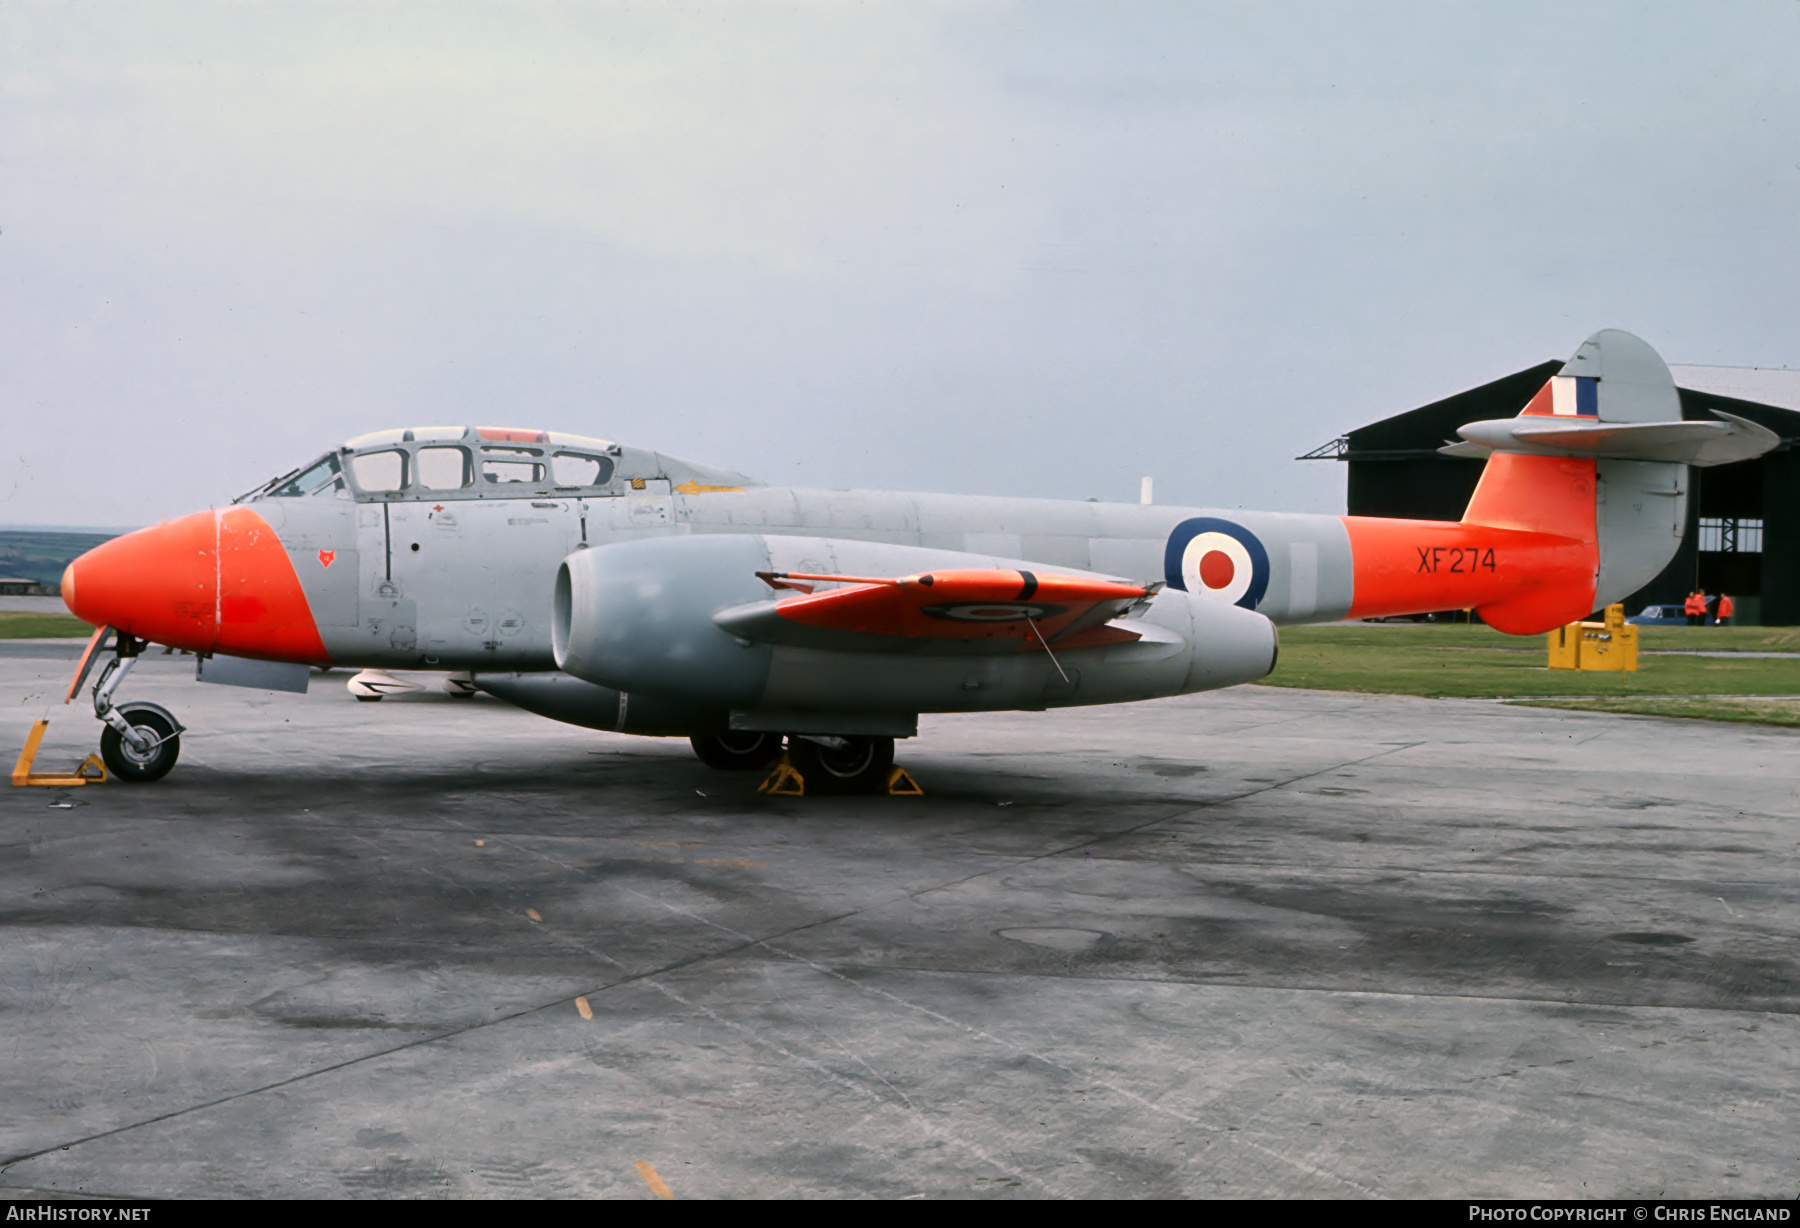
1601, 455
1583, 500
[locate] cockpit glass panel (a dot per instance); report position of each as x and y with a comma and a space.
314, 479
504, 466
380, 472
444, 468
576, 469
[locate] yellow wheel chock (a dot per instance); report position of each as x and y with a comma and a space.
901, 784
784, 781
89, 771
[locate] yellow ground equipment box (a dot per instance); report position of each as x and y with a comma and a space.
1612, 644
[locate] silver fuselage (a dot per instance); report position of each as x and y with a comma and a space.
466, 583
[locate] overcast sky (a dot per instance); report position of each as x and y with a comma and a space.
1033, 248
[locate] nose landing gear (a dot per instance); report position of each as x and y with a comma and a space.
141, 740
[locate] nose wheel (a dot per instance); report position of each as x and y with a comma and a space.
153, 753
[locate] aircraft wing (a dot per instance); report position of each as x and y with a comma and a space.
975, 610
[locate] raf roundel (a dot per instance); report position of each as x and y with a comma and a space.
992, 612
1217, 559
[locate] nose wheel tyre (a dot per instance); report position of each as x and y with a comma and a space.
844, 765
737, 752
128, 763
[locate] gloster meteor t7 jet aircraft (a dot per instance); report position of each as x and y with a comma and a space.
621, 589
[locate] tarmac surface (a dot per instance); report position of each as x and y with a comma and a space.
1257, 943
31, 604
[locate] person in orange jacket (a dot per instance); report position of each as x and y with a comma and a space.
1726, 610
1695, 608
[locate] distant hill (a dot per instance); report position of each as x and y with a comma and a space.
39, 555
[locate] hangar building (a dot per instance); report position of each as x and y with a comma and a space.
1743, 533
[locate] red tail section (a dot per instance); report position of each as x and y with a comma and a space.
1526, 555
1519, 581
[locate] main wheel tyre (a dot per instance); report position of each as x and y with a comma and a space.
737, 752
858, 765
140, 767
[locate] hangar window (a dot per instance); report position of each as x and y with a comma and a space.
1727, 536
444, 468
324, 475
506, 466
379, 472
578, 469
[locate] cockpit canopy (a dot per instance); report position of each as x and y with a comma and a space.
477, 462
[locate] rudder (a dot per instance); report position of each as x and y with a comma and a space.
1640, 505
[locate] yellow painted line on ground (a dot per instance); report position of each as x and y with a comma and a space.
533, 914
657, 1185
583, 1009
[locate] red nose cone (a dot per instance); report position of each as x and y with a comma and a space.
209, 582
158, 583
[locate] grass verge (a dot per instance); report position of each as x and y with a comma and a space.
1756, 711
15, 625
1479, 662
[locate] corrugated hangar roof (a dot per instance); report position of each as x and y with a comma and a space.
1775, 386
1764, 394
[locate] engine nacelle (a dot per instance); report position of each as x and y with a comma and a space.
637, 617
643, 618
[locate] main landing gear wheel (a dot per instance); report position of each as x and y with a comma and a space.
842, 765
128, 763
737, 752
